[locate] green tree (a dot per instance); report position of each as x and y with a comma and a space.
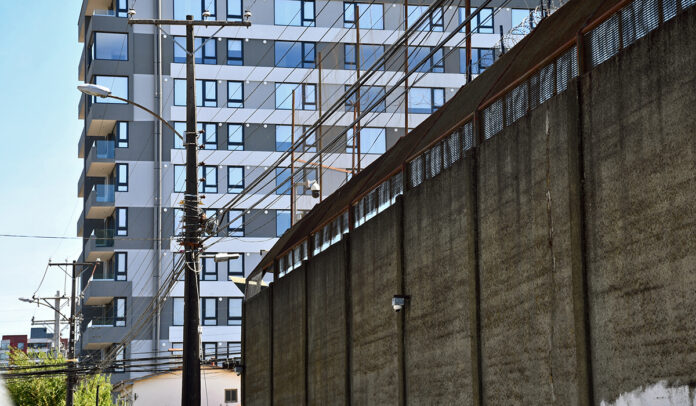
49, 390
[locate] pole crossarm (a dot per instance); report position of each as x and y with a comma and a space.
211, 23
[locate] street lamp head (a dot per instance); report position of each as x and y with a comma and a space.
94, 90
224, 257
24, 299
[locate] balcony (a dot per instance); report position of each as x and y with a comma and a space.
102, 289
101, 117
81, 145
81, 185
100, 203
100, 160
102, 333
80, 225
90, 7
100, 245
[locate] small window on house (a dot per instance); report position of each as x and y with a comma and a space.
231, 396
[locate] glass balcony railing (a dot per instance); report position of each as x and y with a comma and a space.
104, 193
102, 322
105, 149
103, 237
103, 273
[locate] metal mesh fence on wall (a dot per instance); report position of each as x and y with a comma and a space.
633, 21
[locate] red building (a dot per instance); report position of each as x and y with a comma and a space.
16, 341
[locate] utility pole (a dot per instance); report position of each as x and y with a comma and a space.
56, 322
71, 378
467, 13
191, 373
293, 195
405, 67
356, 107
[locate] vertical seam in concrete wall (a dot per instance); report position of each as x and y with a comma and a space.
576, 180
475, 288
348, 309
270, 342
243, 357
305, 325
401, 289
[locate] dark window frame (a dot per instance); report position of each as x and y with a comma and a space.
232, 230
174, 313
234, 320
477, 26
381, 108
350, 24
233, 60
92, 55
121, 141
304, 61
121, 169
207, 274
231, 395
120, 321
236, 188
304, 22
121, 230
240, 273
205, 320
205, 185
118, 275
235, 17
213, 12
207, 142
235, 145
235, 103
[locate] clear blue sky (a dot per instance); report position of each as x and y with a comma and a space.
39, 168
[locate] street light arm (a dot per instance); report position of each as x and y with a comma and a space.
157, 116
36, 301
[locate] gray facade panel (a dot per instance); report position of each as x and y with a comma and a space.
260, 224
140, 232
141, 142
259, 138
142, 51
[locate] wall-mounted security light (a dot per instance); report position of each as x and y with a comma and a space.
399, 302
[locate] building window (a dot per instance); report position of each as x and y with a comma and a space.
235, 94
283, 138
294, 12
231, 396
282, 176
120, 311
206, 50
209, 311
482, 23
368, 56
235, 226
304, 176
179, 178
235, 267
110, 46
235, 179
372, 141
209, 135
118, 86
295, 54
178, 312
371, 15
180, 127
121, 177
368, 95
208, 269
211, 214
282, 222
305, 96
121, 134
235, 137
206, 93
178, 222
425, 100
119, 365
121, 266
435, 63
234, 311
209, 351
182, 8
208, 176
235, 52
234, 348
524, 20
434, 22
122, 221
234, 10
481, 59
121, 8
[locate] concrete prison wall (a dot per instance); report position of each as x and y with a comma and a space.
554, 265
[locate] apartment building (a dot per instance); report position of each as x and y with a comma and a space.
133, 175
